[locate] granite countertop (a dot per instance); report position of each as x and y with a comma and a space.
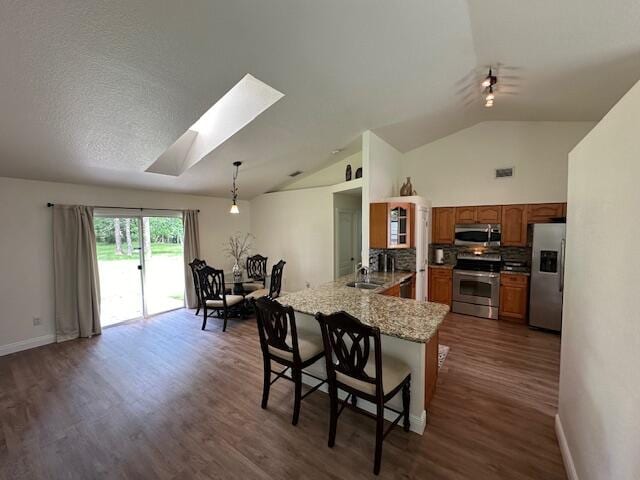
397, 317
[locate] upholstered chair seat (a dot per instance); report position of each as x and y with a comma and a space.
231, 300
263, 292
394, 372
309, 345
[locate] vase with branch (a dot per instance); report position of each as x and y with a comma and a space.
238, 249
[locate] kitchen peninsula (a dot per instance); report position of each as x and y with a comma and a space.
409, 328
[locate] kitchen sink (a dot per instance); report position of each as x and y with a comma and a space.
364, 285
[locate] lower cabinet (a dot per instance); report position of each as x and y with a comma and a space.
514, 293
440, 285
392, 291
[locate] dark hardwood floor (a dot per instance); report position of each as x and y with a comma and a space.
161, 399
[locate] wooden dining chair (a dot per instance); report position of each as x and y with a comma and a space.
275, 285
363, 372
214, 297
281, 343
196, 265
256, 272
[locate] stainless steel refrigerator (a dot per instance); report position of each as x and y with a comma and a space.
547, 275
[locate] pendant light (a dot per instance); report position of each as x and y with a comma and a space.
234, 191
487, 87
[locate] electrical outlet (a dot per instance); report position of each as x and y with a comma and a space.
37, 321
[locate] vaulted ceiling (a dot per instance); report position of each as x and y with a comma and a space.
94, 92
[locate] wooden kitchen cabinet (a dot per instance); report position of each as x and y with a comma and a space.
465, 215
400, 218
483, 214
489, 214
514, 294
443, 225
378, 225
392, 291
440, 285
514, 225
391, 225
545, 212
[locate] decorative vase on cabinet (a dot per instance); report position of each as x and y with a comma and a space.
407, 189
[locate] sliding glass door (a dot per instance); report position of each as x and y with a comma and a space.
140, 262
119, 248
163, 264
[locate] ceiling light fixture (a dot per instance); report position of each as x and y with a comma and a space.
487, 87
490, 96
490, 80
234, 191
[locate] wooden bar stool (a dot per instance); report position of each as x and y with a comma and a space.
280, 342
354, 367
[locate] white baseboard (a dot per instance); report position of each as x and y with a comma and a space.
27, 344
564, 450
418, 423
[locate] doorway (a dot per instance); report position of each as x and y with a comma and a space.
140, 263
347, 232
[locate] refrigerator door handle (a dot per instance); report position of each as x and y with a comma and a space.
562, 246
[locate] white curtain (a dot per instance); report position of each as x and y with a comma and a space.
191, 251
76, 281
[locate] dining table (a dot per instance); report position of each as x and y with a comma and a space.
237, 287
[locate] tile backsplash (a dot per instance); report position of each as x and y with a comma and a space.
405, 258
516, 254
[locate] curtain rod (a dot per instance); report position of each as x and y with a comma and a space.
131, 208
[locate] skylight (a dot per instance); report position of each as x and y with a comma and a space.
236, 109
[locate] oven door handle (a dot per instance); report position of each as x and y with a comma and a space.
468, 273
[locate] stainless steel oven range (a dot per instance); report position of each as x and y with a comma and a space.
476, 285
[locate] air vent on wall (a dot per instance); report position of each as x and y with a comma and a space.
295, 174
504, 172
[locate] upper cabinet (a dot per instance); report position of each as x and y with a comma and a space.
489, 214
443, 225
512, 218
514, 225
466, 215
545, 212
391, 225
378, 225
484, 214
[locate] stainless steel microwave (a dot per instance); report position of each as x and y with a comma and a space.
478, 235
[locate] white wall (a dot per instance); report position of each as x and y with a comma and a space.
459, 169
600, 363
380, 169
26, 266
331, 175
296, 226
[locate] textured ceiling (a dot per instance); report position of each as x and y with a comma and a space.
94, 91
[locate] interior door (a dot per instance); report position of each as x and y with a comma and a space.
118, 247
346, 241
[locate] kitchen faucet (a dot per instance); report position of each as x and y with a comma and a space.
361, 270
